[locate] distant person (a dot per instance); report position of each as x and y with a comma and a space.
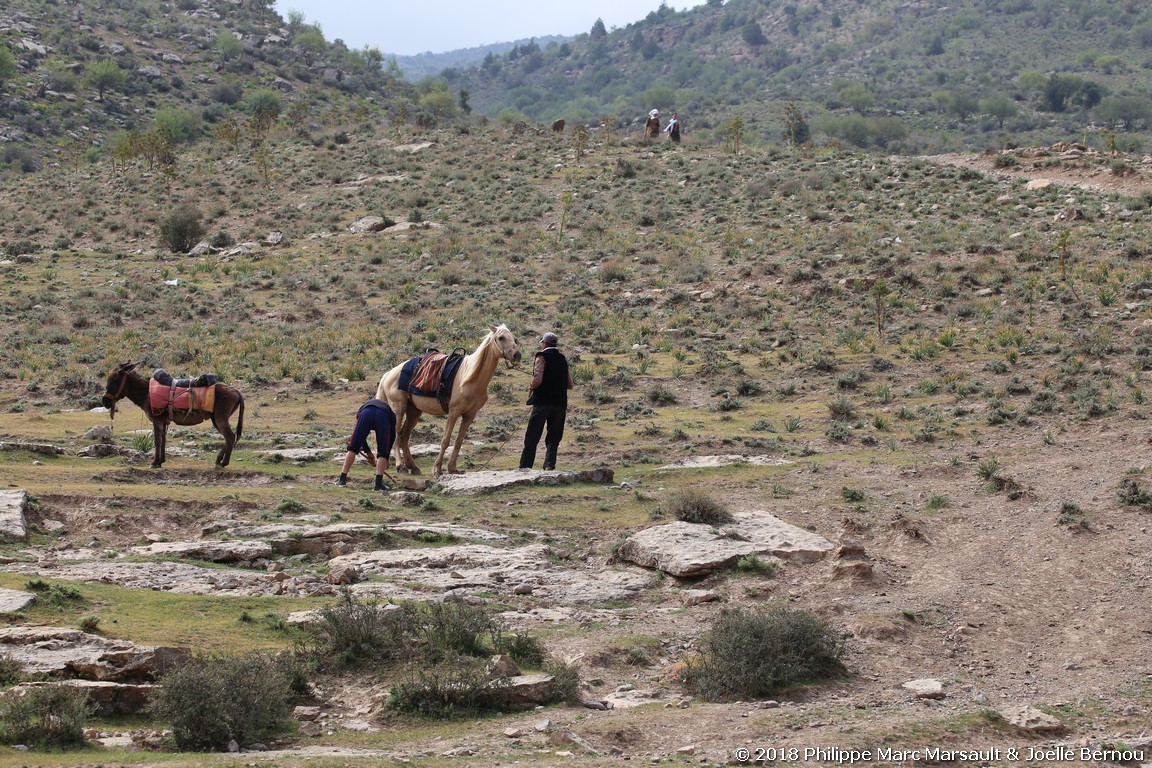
374, 416
652, 125
551, 381
673, 129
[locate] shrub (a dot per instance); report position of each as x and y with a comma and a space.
46, 717
757, 653
692, 506
455, 688
212, 700
1131, 494
566, 678
11, 672
353, 632
182, 229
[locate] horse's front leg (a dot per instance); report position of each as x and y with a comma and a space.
449, 425
465, 422
403, 446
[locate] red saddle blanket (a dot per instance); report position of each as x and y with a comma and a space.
427, 375
161, 397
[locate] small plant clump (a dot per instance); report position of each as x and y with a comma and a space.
754, 654
692, 506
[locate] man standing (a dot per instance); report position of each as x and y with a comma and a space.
551, 381
374, 416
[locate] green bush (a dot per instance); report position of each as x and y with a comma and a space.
45, 717
11, 672
354, 632
755, 654
692, 506
182, 229
214, 699
456, 687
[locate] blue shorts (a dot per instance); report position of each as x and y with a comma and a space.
373, 418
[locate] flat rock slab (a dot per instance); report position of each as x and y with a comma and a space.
489, 481
237, 551
12, 600
44, 448
726, 460
482, 569
448, 530
180, 578
693, 549
302, 454
71, 653
13, 527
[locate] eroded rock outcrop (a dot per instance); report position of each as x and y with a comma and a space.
693, 549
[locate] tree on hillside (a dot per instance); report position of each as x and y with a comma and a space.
7, 65
437, 100
228, 45
599, 31
105, 75
752, 34
796, 130
1000, 107
310, 39
1125, 111
857, 97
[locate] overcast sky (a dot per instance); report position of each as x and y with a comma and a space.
412, 26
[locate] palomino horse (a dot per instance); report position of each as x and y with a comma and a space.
469, 393
125, 382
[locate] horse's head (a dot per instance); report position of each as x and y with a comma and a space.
505, 342
116, 384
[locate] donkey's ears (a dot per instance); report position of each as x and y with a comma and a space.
491, 327
129, 365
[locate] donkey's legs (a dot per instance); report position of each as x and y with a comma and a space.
225, 429
159, 436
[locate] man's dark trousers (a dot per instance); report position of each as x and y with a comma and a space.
551, 416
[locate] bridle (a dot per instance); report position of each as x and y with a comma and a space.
119, 394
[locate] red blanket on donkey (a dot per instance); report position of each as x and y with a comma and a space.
161, 397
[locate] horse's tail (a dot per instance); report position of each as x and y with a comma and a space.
240, 418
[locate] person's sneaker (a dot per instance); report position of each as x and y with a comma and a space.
341, 481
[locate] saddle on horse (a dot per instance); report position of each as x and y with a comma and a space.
432, 374
166, 394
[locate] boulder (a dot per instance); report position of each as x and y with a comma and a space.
693, 549
367, 224
502, 665
12, 600
13, 526
60, 652
1027, 718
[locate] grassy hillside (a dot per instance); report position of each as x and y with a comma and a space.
83, 80
931, 352
910, 78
